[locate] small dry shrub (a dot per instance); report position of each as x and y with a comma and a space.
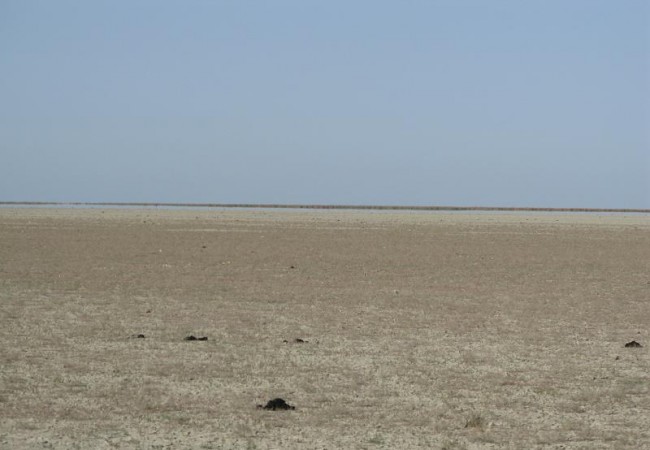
453, 445
475, 421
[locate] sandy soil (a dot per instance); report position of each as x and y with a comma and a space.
424, 330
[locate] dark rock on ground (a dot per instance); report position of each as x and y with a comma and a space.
138, 336
276, 404
191, 337
633, 344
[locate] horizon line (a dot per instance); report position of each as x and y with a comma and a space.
328, 206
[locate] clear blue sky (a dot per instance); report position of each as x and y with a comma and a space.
496, 103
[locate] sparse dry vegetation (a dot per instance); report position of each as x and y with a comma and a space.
419, 330
475, 421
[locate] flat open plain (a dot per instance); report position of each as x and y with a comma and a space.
424, 330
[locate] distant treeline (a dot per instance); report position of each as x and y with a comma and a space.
350, 207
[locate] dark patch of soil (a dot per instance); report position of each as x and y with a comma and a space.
297, 341
191, 337
277, 404
633, 344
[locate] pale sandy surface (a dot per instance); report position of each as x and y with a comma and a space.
418, 325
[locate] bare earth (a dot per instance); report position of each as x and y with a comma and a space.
424, 330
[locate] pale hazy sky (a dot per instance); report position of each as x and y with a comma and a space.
496, 103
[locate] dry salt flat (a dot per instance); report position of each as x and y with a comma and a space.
382, 329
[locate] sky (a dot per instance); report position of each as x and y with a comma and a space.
539, 103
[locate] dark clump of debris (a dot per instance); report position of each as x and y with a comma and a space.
137, 336
191, 337
633, 344
297, 341
276, 404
